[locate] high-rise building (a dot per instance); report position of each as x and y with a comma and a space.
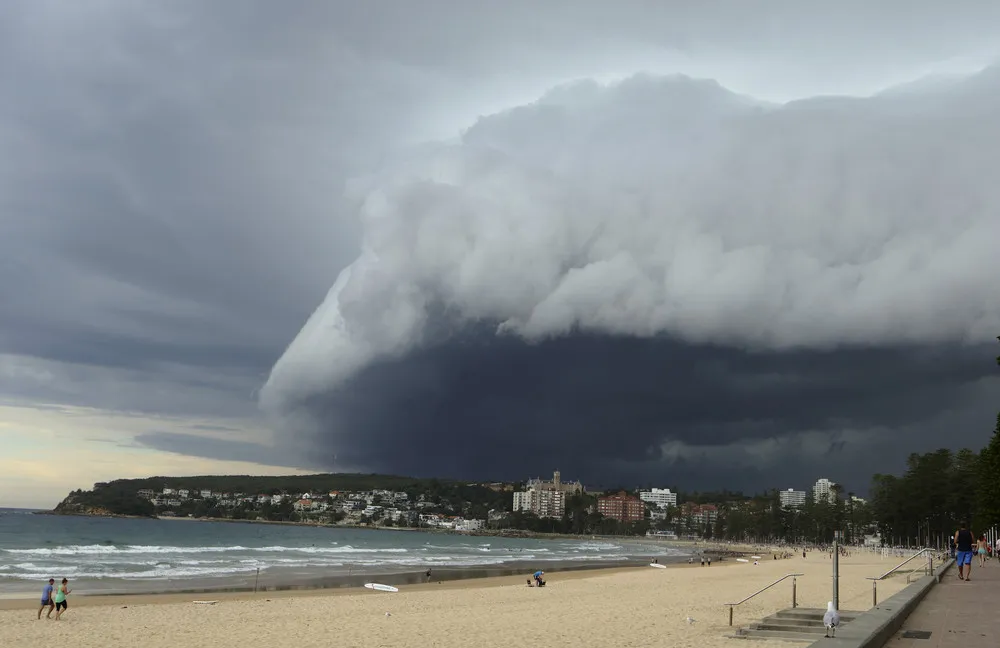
660, 497
621, 507
792, 498
823, 491
543, 503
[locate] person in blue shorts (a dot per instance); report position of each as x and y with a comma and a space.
47, 601
963, 552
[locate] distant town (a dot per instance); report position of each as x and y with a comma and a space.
536, 505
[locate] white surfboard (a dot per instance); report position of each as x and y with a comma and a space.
657, 565
742, 560
382, 588
204, 602
755, 557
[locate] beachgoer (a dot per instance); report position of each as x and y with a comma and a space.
709, 560
982, 550
61, 598
47, 599
963, 552
538, 578
428, 575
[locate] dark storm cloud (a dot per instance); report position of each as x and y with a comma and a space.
628, 410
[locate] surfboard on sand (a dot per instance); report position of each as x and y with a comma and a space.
204, 602
755, 557
742, 560
657, 565
381, 588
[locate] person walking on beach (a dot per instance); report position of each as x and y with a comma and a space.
47, 599
61, 598
963, 552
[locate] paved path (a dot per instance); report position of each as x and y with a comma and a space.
957, 613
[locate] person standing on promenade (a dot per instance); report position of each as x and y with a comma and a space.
963, 551
47, 600
982, 550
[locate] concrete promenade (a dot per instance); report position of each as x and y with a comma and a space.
957, 613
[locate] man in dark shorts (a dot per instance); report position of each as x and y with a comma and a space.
47, 599
963, 551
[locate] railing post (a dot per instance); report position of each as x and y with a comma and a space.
874, 593
730, 615
794, 603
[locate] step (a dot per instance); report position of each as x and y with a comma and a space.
846, 616
801, 637
793, 621
787, 628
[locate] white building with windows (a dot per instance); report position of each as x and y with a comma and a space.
792, 498
659, 497
543, 503
823, 491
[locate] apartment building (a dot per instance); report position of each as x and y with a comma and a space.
621, 507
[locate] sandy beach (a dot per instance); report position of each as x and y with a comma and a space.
615, 607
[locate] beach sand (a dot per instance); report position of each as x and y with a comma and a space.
616, 607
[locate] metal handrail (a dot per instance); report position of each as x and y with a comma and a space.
764, 589
876, 579
893, 570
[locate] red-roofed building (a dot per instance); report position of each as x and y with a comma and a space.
621, 507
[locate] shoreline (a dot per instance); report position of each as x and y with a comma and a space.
281, 581
441, 580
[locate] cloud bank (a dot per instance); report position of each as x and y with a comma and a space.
670, 206
671, 210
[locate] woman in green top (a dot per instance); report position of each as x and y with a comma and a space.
61, 598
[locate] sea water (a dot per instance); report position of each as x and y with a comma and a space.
118, 554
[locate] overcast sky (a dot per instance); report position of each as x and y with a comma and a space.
740, 244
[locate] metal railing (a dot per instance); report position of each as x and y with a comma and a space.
764, 589
930, 570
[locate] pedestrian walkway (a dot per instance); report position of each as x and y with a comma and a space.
956, 613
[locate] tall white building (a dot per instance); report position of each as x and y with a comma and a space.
792, 498
823, 491
661, 497
543, 503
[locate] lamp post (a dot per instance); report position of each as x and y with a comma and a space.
836, 571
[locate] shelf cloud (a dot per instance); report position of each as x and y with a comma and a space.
664, 216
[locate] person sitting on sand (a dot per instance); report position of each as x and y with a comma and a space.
61, 598
538, 578
47, 599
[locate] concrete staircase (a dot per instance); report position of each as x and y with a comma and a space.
793, 624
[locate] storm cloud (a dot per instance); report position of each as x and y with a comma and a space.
662, 261
700, 231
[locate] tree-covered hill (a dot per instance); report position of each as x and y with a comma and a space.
120, 497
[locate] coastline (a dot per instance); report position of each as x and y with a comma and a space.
441, 579
284, 583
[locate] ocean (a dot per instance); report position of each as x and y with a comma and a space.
117, 555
